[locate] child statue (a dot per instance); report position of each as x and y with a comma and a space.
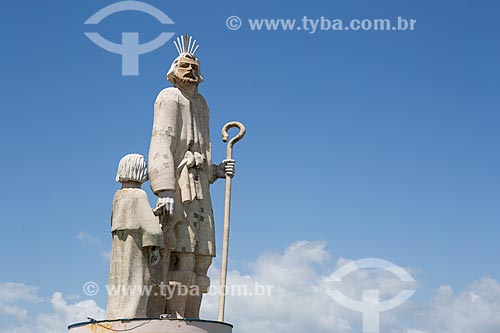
137, 239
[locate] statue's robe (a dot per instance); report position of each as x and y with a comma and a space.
180, 160
134, 228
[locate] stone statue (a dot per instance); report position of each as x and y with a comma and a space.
137, 239
160, 257
181, 171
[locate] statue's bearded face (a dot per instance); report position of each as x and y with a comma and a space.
188, 70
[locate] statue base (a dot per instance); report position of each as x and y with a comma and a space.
152, 325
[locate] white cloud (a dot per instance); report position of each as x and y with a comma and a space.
12, 292
93, 242
297, 302
13, 296
87, 238
475, 309
64, 314
61, 315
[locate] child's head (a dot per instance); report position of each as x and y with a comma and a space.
132, 168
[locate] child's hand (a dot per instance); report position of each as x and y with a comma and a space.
160, 209
165, 203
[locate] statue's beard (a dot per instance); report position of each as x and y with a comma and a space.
188, 78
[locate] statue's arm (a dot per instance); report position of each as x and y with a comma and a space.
163, 141
226, 167
212, 168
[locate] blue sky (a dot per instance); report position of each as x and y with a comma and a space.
383, 144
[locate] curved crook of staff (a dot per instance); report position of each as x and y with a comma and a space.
227, 212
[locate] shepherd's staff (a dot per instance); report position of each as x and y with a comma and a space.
227, 211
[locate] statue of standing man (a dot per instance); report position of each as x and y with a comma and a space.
181, 171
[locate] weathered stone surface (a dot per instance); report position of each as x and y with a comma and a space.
181, 171
167, 251
137, 238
